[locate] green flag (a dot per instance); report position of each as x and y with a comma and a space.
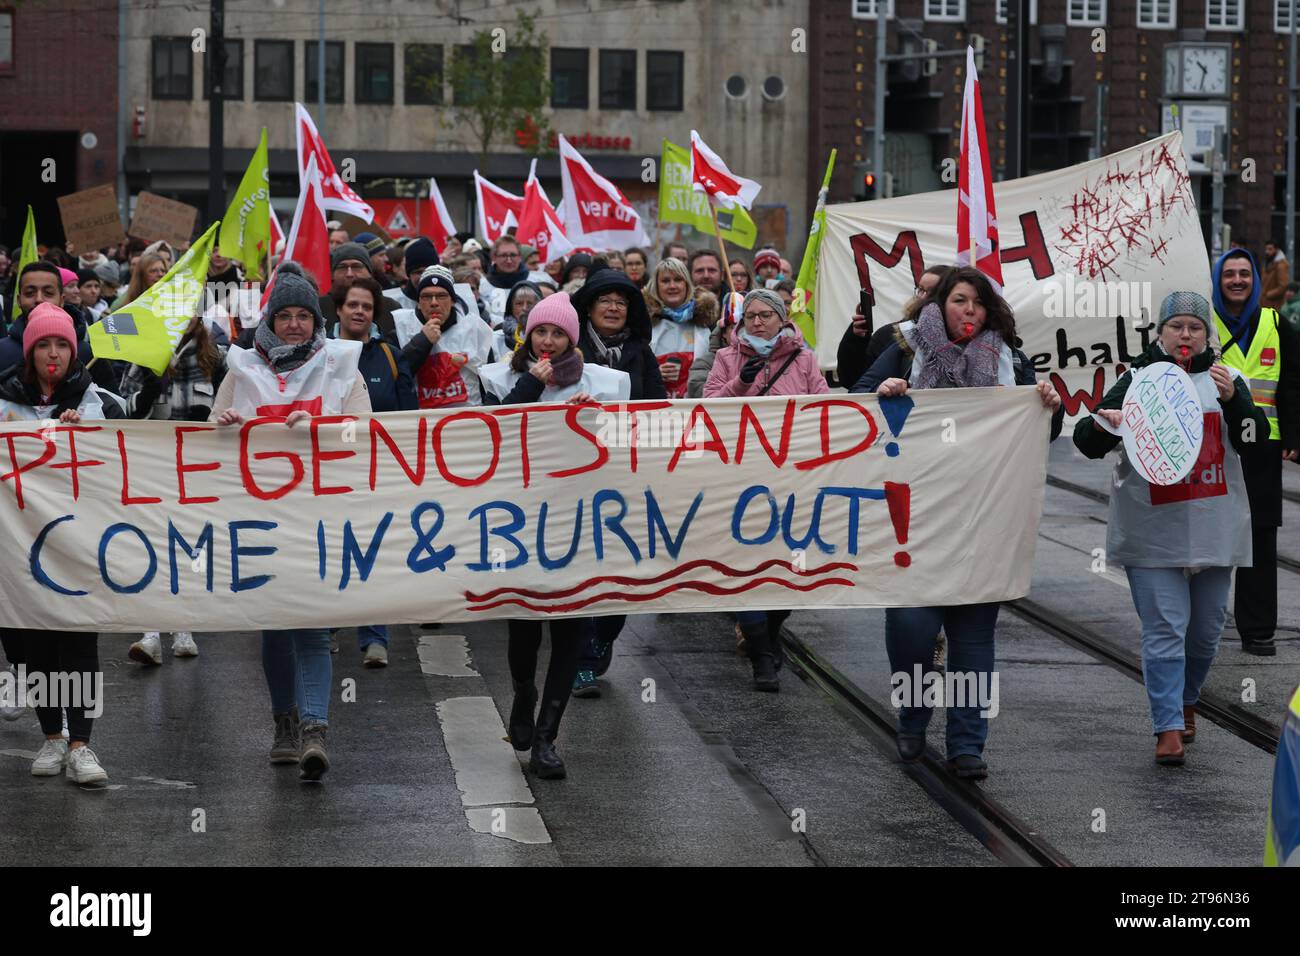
678, 202
28, 254
802, 312
246, 229
146, 331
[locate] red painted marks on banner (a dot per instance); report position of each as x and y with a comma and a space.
705, 586
899, 498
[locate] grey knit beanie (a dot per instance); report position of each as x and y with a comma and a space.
767, 297
1184, 303
349, 250
293, 288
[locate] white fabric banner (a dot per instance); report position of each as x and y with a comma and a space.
1088, 254
523, 511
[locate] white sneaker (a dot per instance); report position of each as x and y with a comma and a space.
147, 650
183, 644
9, 708
83, 767
51, 758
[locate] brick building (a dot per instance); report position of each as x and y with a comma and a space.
1098, 83
58, 101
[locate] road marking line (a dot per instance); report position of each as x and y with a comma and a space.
445, 655
521, 824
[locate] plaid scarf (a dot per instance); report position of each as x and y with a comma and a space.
950, 364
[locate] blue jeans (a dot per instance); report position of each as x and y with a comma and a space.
372, 634
1182, 620
298, 672
910, 637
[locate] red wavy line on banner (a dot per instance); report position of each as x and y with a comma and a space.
678, 586
688, 566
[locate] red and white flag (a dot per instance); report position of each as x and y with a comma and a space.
539, 225
497, 209
436, 221
277, 232
336, 193
977, 217
309, 241
711, 175
594, 211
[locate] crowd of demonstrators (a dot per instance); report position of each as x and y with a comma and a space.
1179, 546
960, 335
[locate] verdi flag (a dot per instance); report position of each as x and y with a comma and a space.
246, 228
146, 331
801, 309
679, 202
29, 254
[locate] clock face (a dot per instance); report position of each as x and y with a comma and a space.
1205, 70
1173, 60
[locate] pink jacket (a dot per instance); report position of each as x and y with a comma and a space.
803, 377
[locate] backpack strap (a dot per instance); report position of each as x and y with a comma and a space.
388, 354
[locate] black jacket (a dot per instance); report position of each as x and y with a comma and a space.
858, 352
67, 394
389, 392
896, 362
637, 357
506, 280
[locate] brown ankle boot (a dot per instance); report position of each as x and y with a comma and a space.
1169, 748
1189, 723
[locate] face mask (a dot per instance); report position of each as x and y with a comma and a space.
762, 346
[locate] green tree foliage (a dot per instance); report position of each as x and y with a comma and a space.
499, 83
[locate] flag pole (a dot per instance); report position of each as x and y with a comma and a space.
726, 268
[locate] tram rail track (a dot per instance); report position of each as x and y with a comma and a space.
1010, 839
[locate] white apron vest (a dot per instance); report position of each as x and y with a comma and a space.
91, 407
682, 343
319, 386
608, 385
449, 376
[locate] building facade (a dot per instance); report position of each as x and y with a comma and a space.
625, 75
1104, 75
58, 109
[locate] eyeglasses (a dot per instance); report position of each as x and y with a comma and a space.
612, 302
301, 316
767, 315
507, 255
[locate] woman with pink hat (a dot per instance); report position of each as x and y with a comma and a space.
51, 383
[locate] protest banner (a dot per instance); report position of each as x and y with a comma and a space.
528, 511
1164, 423
90, 218
157, 217
1088, 253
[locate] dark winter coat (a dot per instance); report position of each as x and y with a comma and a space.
637, 357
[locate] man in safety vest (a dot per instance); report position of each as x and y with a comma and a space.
1265, 348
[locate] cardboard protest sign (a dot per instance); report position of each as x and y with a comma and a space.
1164, 423
157, 217
90, 219
530, 511
1088, 253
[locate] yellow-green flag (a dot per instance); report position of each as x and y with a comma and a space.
678, 202
29, 254
802, 312
246, 228
146, 331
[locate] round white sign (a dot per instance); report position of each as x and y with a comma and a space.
89, 140
1164, 423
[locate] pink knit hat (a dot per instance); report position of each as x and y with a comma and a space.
554, 310
48, 321
68, 277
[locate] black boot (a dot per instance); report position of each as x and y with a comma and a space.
545, 762
521, 715
761, 656
774, 621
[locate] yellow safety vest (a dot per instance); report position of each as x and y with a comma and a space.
1261, 366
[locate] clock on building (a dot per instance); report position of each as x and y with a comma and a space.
1197, 69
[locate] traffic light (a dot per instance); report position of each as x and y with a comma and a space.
867, 188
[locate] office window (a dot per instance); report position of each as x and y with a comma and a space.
1156, 14
618, 79
173, 68
273, 69
374, 81
663, 80
866, 9
422, 82
1086, 13
569, 78
1281, 15
1000, 13
333, 71
232, 84
1225, 14
946, 10
6, 41
466, 96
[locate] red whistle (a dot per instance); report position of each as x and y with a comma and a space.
968, 328
546, 356
52, 369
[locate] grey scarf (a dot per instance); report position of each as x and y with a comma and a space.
609, 349
950, 364
282, 356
